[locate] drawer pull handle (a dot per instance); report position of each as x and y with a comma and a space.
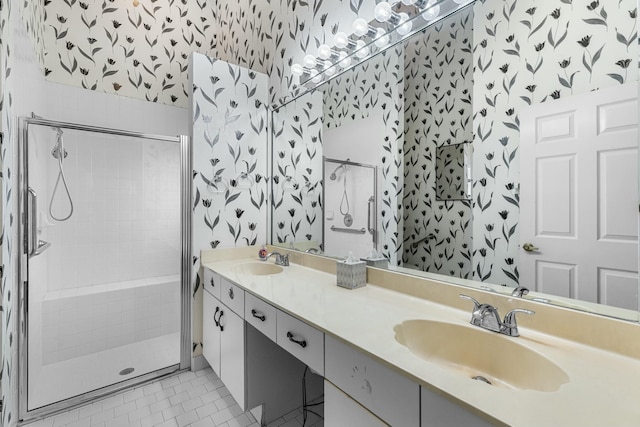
220, 321
231, 293
217, 321
302, 343
258, 315
213, 285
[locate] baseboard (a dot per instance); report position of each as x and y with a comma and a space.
198, 363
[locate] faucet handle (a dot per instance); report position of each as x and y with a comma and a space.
509, 324
519, 291
475, 301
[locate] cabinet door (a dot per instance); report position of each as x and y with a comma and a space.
342, 411
232, 355
438, 411
210, 332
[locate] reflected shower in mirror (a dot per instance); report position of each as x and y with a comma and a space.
476, 77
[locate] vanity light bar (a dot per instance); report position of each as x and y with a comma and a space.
396, 16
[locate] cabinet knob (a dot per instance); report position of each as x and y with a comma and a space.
213, 285
231, 293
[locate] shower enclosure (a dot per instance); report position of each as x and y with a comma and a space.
104, 261
350, 216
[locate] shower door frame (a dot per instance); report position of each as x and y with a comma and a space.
23, 227
375, 235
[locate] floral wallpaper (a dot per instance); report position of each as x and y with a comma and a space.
438, 83
9, 308
32, 13
138, 49
527, 52
297, 172
375, 87
229, 140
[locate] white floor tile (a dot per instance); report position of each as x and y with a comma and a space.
197, 399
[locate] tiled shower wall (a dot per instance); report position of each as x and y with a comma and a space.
125, 224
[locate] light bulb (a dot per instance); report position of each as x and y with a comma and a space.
382, 38
317, 77
431, 13
361, 49
345, 60
329, 68
324, 51
341, 40
383, 12
297, 70
309, 61
360, 27
406, 26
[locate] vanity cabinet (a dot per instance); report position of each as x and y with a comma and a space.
342, 411
223, 335
390, 396
438, 411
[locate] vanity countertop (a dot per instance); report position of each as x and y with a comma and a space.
602, 390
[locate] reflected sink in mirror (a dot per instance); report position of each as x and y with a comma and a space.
481, 355
258, 268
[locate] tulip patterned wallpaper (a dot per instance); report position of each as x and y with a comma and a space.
136, 48
527, 52
32, 14
375, 87
297, 173
229, 140
438, 83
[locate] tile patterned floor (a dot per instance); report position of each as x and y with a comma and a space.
197, 399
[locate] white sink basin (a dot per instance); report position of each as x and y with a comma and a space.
258, 268
481, 355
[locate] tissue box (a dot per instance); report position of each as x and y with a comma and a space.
376, 262
351, 275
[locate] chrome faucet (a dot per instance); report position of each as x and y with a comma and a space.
486, 316
280, 259
313, 251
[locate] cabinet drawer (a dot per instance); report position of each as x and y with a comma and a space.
301, 340
260, 315
389, 395
232, 296
212, 282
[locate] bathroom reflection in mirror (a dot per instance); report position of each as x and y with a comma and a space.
453, 172
475, 76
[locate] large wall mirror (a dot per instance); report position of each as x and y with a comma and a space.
544, 97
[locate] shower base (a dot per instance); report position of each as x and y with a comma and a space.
62, 380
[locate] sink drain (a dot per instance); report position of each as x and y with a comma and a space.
481, 378
127, 371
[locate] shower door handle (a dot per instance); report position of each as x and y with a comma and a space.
36, 247
371, 221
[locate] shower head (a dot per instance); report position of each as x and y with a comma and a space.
334, 174
59, 147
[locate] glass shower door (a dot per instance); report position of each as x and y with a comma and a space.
104, 252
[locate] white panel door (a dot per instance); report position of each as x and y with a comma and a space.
579, 197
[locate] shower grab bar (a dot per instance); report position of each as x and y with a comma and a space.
36, 247
348, 230
370, 203
33, 226
430, 236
